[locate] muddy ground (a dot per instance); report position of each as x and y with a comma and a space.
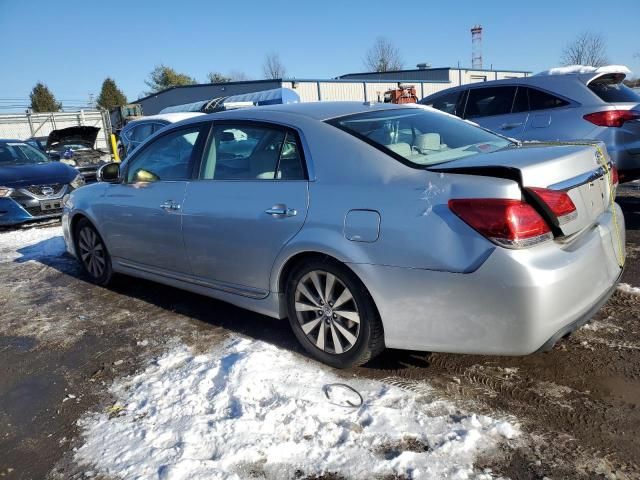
63, 340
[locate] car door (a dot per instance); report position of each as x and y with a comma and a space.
249, 200
492, 108
141, 217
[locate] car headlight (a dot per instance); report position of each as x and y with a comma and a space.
5, 192
77, 182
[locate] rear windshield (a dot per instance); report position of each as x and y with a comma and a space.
420, 137
18, 153
611, 92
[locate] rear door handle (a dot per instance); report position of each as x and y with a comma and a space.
170, 206
281, 211
509, 126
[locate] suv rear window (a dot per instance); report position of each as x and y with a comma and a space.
611, 92
420, 137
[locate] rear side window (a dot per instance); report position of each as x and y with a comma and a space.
539, 100
449, 102
250, 152
611, 91
485, 102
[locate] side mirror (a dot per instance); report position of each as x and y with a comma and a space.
109, 173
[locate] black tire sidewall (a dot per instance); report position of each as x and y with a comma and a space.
106, 276
366, 309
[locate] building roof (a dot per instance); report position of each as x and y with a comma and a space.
414, 70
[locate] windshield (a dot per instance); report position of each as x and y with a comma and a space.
18, 153
421, 137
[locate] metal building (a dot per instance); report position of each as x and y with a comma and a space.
368, 86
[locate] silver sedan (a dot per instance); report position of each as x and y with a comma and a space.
366, 225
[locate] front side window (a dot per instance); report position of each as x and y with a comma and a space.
485, 102
167, 158
420, 137
18, 153
250, 152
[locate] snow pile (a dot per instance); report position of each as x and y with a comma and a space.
252, 410
586, 69
31, 243
626, 288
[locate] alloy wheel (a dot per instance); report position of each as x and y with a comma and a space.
92, 252
327, 312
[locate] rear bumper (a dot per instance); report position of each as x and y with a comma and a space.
512, 305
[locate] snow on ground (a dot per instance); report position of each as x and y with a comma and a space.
626, 288
31, 243
586, 69
251, 410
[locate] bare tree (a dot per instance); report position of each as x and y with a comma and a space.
588, 48
273, 67
383, 56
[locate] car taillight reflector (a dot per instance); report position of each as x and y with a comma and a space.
612, 118
558, 202
510, 223
614, 175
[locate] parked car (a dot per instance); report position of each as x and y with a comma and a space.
593, 106
75, 146
32, 186
367, 225
137, 131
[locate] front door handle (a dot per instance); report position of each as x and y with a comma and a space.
170, 206
281, 211
509, 126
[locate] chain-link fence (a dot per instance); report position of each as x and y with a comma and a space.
22, 126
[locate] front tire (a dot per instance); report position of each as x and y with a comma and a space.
332, 314
92, 253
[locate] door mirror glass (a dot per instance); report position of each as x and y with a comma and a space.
109, 173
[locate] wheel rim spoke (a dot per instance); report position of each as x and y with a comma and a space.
307, 328
316, 283
344, 297
305, 307
305, 291
337, 346
320, 340
353, 316
346, 334
328, 287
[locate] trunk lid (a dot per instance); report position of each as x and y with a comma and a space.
575, 169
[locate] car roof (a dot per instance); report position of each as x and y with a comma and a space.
315, 110
167, 117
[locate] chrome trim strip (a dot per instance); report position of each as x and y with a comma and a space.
224, 287
579, 180
61, 194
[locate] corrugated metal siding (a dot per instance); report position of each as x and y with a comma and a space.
429, 88
23, 126
341, 91
308, 91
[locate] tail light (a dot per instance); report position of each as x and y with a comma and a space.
615, 179
559, 202
612, 118
510, 223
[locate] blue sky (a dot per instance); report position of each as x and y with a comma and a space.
73, 45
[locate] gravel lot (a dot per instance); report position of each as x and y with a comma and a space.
63, 343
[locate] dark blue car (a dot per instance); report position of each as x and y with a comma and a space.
32, 187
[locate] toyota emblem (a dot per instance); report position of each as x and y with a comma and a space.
47, 191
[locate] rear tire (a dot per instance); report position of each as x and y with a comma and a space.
332, 314
92, 253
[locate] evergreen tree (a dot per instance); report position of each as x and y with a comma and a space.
110, 95
163, 77
42, 100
